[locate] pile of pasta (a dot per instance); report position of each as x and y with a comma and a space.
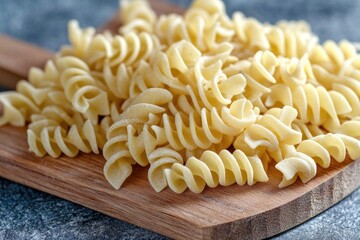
202, 99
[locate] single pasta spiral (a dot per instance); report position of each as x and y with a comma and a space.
81, 89
171, 67
132, 48
349, 128
16, 109
315, 105
48, 137
117, 151
302, 160
212, 169
259, 74
268, 133
287, 40
207, 128
136, 16
205, 25
322, 147
80, 40
295, 164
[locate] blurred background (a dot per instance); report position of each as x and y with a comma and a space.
29, 214
44, 22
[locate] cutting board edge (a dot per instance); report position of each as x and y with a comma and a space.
331, 190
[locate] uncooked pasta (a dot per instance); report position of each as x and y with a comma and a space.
201, 99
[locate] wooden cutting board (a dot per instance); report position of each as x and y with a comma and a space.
234, 212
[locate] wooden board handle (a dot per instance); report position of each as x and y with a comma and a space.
17, 57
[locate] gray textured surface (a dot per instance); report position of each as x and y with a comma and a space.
29, 214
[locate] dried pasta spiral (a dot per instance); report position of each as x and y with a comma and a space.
212, 169
207, 128
48, 137
136, 16
259, 74
324, 147
117, 152
81, 89
287, 40
17, 109
268, 133
80, 40
320, 149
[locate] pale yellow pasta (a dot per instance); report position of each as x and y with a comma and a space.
295, 164
80, 40
118, 152
81, 89
49, 77
178, 59
259, 74
47, 136
161, 159
322, 147
301, 162
201, 99
295, 72
205, 24
137, 16
268, 133
350, 128
307, 130
16, 109
282, 40
332, 56
214, 169
207, 128
315, 105
118, 81
351, 97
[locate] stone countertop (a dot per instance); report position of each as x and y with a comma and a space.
29, 214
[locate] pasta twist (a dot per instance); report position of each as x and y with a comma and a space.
136, 16
302, 161
119, 154
294, 72
322, 147
205, 25
118, 81
46, 136
132, 48
81, 89
213, 87
170, 67
160, 160
16, 108
47, 78
295, 164
79, 39
212, 169
259, 74
252, 36
307, 130
349, 128
315, 105
268, 133
332, 56
207, 128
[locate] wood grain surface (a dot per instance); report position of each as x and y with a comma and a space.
17, 57
225, 212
